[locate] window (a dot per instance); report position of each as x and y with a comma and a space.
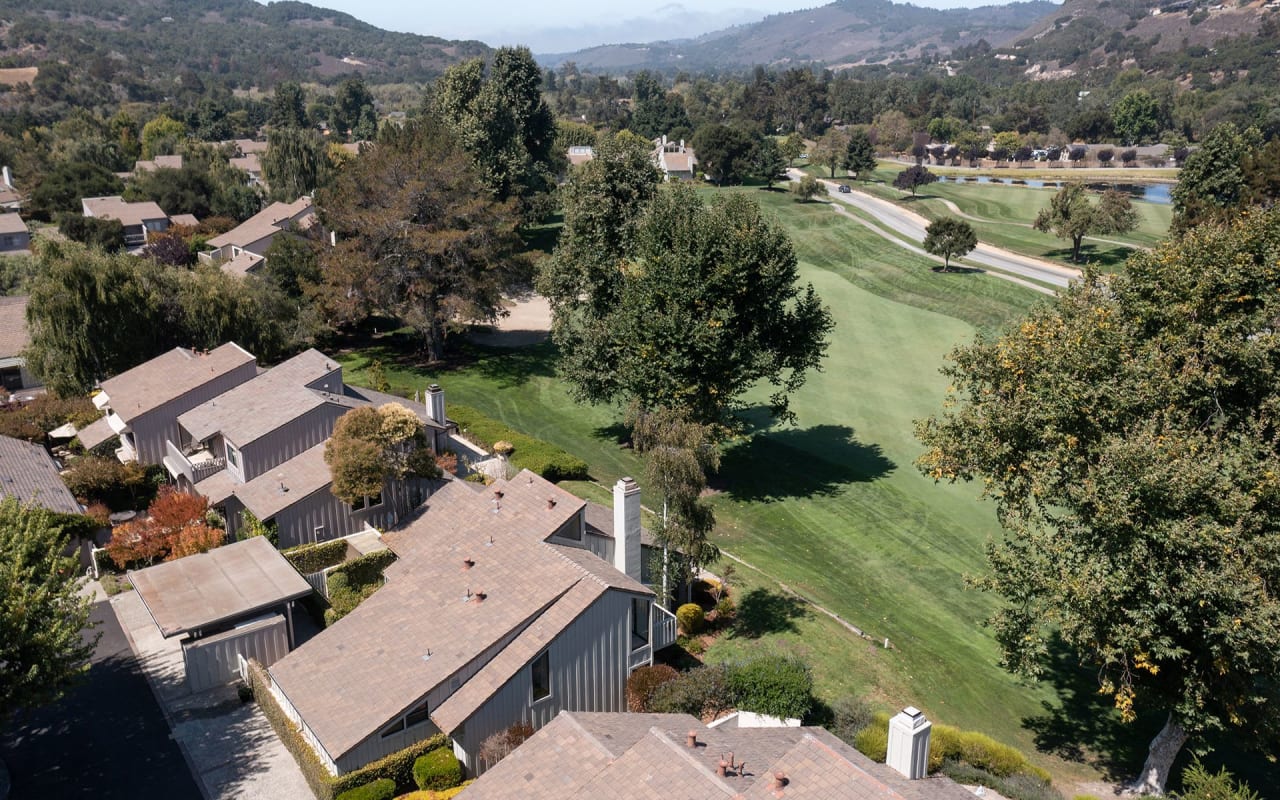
318, 534
233, 456
541, 676
417, 716
393, 728
640, 621
367, 503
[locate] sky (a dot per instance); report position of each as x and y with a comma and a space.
557, 26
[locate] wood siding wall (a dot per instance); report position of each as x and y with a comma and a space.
153, 429
273, 449
215, 661
588, 664
298, 522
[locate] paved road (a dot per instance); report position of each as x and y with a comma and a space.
912, 226
105, 739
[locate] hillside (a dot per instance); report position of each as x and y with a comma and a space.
1171, 36
136, 44
843, 33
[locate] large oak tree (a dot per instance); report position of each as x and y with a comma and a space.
1129, 434
418, 236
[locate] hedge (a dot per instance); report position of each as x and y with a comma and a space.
349, 584
397, 767
537, 456
777, 685
427, 794
643, 682
382, 789
439, 769
308, 558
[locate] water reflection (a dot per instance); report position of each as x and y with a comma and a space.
1149, 192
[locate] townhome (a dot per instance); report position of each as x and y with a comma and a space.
141, 221
15, 238
259, 448
243, 249
677, 161
142, 405
494, 613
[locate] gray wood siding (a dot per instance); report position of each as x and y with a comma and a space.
376, 746
214, 661
152, 429
588, 664
298, 522
273, 449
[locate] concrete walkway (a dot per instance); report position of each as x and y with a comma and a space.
229, 746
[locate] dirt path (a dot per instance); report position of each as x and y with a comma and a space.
528, 321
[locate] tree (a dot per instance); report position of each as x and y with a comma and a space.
42, 612
370, 446
354, 116
949, 237
1262, 173
657, 112
792, 147
1071, 215
174, 527
830, 150
66, 184
860, 154
1136, 117
807, 188
418, 236
294, 163
767, 161
725, 153
168, 248
1124, 432
161, 136
1105, 155
913, 178
678, 454
502, 120
1211, 184
105, 234
893, 130
288, 106
707, 306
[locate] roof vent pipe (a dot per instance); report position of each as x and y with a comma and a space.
779, 780
692, 739
723, 769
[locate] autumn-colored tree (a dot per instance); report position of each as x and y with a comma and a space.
174, 527
371, 445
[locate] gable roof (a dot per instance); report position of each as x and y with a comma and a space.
169, 375
159, 162
266, 222
263, 403
14, 336
275, 489
419, 630
635, 756
29, 473
11, 223
129, 214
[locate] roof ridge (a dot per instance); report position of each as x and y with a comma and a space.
697, 764
570, 719
556, 549
845, 762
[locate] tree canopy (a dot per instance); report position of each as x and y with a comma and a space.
912, 178
1127, 434
1212, 183
949, 237
42, 613
418, 235
860, 154
707, 305
724, 153
371, 445
1072, 215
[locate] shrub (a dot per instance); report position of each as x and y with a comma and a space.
703, 692
397, 767
30, 421
849, 716
1198, 783
439, 769
535, 455
499, 745
980, 751
642, 683
381, 789
97, 479
726, 610
690, 618
777, 685
310, 558
425, 794
316, 774
350, 583
1014, 787
691, 645
873, 740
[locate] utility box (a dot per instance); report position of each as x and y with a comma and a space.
909, 743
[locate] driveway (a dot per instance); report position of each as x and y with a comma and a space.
105, 739
912, 226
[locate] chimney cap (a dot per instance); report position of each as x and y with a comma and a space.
435, 387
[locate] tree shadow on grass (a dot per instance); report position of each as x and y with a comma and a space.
807, 462
1085, 726
762, 611
1092, 254
958, 270
513, 367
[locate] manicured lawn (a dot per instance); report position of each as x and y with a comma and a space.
832, 508
1002, 215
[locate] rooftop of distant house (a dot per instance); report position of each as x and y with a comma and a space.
14, 336
129, 214
170, 375
12, 223
30, 474
266, 222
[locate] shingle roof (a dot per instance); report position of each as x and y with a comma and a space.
264, 223
128, 213
263, 403
14, 337
95, 433
635, 756
599, 521
169, 375
188, 220
159, 162
226, 583
248, 146
302, 476
29, 473
12, 223
242, 264
362, 672
249, 163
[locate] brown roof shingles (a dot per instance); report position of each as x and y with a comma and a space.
14, 337
269, 220
168, 376
29, 473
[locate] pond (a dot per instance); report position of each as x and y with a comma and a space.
1150, 192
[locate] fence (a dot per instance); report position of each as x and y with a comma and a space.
216, 660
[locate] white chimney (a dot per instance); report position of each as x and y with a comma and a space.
626, 527
8, 178
909, 743
435, 403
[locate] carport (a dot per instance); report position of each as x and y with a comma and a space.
230, 604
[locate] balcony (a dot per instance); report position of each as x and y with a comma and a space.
193, 463
664, 627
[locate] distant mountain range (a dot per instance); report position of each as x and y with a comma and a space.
843, 33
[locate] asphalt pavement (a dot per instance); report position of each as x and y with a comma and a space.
107, 738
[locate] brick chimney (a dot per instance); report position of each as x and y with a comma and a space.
435, 403
909, 743
626, 527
